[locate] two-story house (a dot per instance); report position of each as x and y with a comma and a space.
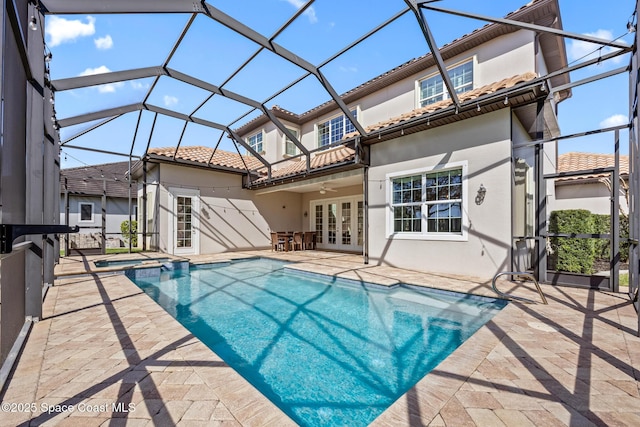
431, 186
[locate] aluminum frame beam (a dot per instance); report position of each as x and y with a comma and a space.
527, 26
273, 47
435, 51
95, 7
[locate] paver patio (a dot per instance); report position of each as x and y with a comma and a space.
102, 341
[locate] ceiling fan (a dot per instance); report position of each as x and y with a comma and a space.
323, 189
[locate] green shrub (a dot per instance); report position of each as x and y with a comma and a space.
603, 225
570, 254
124, 229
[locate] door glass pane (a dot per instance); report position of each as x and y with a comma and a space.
319, 224
346, 223
360, 223
332, 222
183, 222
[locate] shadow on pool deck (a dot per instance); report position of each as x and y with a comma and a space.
103, 341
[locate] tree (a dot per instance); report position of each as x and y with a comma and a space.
130, 234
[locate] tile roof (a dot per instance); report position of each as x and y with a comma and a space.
88, 180
333, 156
202, 155
575, 161
463, 97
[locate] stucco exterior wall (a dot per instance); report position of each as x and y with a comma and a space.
230, 217
594, 197
117, 211
484, 143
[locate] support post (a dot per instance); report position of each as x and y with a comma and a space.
144, 206
540, 256
365, 215
614, 276
103, 206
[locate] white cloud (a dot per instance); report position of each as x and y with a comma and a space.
106, 88
139, 86
581, 50
104, 43
615, 120
310, 12
170, 100
62, 30
348, 69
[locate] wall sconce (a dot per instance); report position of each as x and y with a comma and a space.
305, 214
482, 191
33, 23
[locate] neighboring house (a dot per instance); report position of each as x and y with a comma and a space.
81, 195
593, 191
430, 187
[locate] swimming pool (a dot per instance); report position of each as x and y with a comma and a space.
328, 352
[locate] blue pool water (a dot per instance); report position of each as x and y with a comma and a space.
326, 351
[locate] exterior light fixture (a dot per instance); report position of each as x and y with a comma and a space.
543, 87
478, 107
33, 23
48, 57
506, 100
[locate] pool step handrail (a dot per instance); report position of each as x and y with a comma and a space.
513, 297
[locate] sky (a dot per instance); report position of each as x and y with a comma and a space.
91, 44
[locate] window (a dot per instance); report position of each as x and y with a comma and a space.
290, 149
335, 129
432, 89
428, 203
86, 212
255, 142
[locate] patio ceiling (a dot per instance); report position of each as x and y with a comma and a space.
238, 66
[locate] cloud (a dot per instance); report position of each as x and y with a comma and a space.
615, 120
170, 100
106, 88
583, 51
139, 85
62, 30
348, 69
104, 43
310, 12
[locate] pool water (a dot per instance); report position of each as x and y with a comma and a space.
326, 351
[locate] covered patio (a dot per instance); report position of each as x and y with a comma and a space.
102, 341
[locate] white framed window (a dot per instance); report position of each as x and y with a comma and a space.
428, 204
85, 212
432, 88
290, 148
334, 129
255, 142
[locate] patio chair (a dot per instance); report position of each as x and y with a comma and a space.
298, 240
309, 240
277, 242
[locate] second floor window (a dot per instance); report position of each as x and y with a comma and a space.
255, 142
335, 129
432, 89
290, 148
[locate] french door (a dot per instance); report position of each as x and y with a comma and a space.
338, 223
183, 221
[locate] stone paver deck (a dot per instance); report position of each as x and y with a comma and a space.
103, 342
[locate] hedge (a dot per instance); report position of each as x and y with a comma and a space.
568, 254
603, 225
578, 255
